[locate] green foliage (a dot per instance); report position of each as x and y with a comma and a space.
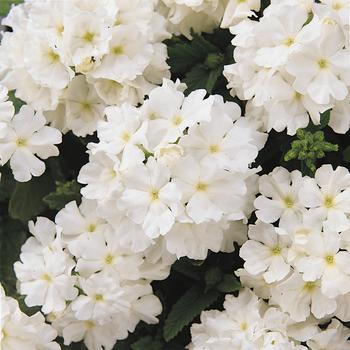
16, 101
5, 6
64, 193
308, 147
200, 62
26, 201
190, 305
146, 343
228, 284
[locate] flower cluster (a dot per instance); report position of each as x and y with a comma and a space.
23, 137
19, 331
185, 16
70, 59
302, 264
247, 322
170, 170
292, 64
90, 287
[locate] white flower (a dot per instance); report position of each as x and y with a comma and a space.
194, 240
328, 195
105, 254
283, 188
210, 193
79, 224
7, 111
236, 10
101, 176
340, 116
19, 331
103, 297
123, 133
321, 70
46, 279
149, 198
83, 107
299, 298
27, 136
265, 252
169, 112
335, 337
325, 261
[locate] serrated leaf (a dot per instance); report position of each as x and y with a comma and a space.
147, 343
212, 78
26, 201
187, 269
228, 284
212, 276
196, 78
65, 192
190, 305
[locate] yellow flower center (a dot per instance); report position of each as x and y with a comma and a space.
126, 136
297, 95
214, 148
109, 259
152, 116
323, 63
201, 186
329, 259
154, 195
89, 37
89, 324
243, 326
86, 106
91, 228
46, 278
337, 6
60, 29
328, 202
118, 50
309, 286
177, 120
53, 56
21, 142
98, 297
288, 202
276, 250
288, 42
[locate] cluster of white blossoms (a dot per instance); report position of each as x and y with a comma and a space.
69, 59
90, 287
175, 170
247, 322
19, 331
199, 16
23, 138
293, 64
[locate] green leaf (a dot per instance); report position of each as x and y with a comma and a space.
5, 6
212, 78
12, 236
196, 78
324, 118
16, 101
228, 284
212, 276
346, 154
187, 269
147, 343
190, 305
26, 201
7, 184
65, 192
